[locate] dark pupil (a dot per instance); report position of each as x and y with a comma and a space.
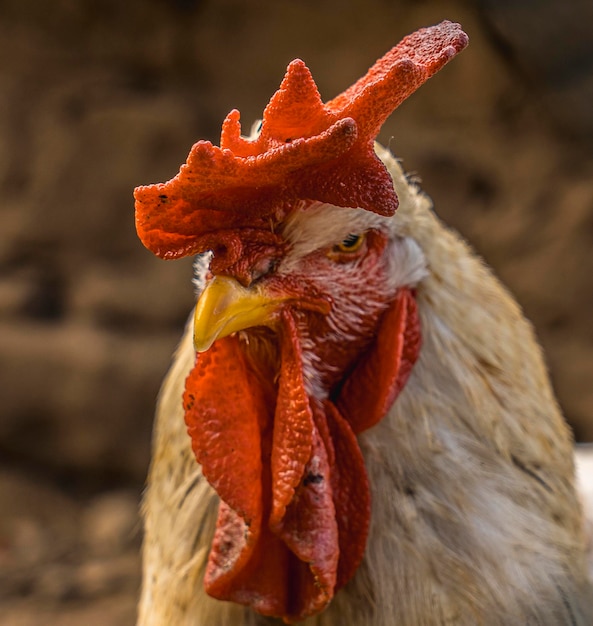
350, 241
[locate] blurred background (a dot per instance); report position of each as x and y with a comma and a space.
99, 97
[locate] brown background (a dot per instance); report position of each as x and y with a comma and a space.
98, 97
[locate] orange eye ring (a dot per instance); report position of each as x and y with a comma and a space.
352, 243
349, 249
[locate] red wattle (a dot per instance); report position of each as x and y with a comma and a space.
227, 447
293, 423
351, 492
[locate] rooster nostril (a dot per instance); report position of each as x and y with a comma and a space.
245, 261
247, 272
263, 267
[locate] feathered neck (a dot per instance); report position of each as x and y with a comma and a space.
472, 469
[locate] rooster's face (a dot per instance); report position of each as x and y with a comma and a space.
341, 269
306, 327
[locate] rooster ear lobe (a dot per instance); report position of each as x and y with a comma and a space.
374, 384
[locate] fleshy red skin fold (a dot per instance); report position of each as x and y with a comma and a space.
295, 500
385, 368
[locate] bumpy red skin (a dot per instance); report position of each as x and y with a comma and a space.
306, 150
295, 502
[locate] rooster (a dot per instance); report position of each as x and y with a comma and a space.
358, 428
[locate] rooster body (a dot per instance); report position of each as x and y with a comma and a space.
474, 517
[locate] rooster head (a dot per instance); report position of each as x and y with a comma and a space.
306, 327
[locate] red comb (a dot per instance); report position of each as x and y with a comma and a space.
306, 151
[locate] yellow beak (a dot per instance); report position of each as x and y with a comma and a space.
225, 307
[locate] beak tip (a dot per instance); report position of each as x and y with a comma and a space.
202, 345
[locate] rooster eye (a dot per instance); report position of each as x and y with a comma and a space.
351, 243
